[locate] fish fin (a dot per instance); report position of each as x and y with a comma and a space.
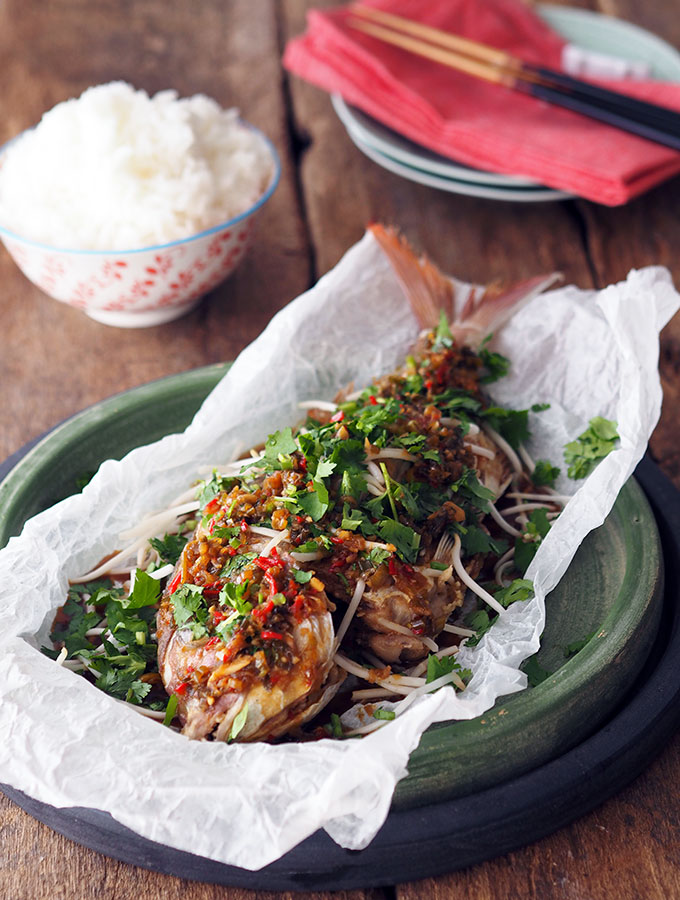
427, 289
486, 312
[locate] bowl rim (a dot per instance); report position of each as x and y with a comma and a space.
214, 229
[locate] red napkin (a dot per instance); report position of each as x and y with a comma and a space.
484, 125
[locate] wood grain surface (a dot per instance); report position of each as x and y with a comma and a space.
55, 361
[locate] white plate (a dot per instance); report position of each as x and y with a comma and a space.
471, 189
588, 30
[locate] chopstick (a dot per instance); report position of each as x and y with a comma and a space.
648, 120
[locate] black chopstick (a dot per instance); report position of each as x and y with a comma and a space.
616, 115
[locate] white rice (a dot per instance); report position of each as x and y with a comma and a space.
118, 170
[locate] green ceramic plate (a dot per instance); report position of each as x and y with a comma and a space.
613, 590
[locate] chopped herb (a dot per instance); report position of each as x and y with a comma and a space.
281, 443
534, 671
480, 622
596, 442
170, 710
527, 544
236, 564
239, 722
377, 556
577, 646
443, 336
512, 424
440, 566
405, 539
189, 607
170, 547
544, 473
520, 589
387, 714
212, 487
302, 577
145, 592
474, 540
438, 666
315, 502
496, 365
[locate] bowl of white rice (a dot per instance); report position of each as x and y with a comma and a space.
130, 207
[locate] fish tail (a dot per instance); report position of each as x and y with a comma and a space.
428, 290
486, 311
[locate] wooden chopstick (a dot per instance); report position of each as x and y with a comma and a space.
656, 123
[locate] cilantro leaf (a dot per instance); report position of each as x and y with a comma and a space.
281, 443
512, 424
145, 592
577, 646
544, 473
438, 666
474, 540
520, 589
496, 365
189, 608
480, 622
534, 671
405, 539
526, 545
325, 468
212, 487
170, 547
236, 564
314, 502
596, 442
377, 556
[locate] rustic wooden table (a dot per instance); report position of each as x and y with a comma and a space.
54, 361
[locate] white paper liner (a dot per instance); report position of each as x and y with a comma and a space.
68, 744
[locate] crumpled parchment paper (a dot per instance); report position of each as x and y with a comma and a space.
67, 744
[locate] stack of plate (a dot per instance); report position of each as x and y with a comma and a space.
589, 31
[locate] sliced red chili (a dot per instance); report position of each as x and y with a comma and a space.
181, 688
302, 464
213, 506
392, 566
243, 525
219, 616
211, 643
271, 581
261, 612
176, 581
297, 606
338, 416
336, 540
372, 400
272, 635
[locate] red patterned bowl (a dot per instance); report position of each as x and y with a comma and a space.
148, 286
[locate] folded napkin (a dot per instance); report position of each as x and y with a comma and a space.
484, 125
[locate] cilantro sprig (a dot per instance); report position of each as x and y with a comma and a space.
596, 442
